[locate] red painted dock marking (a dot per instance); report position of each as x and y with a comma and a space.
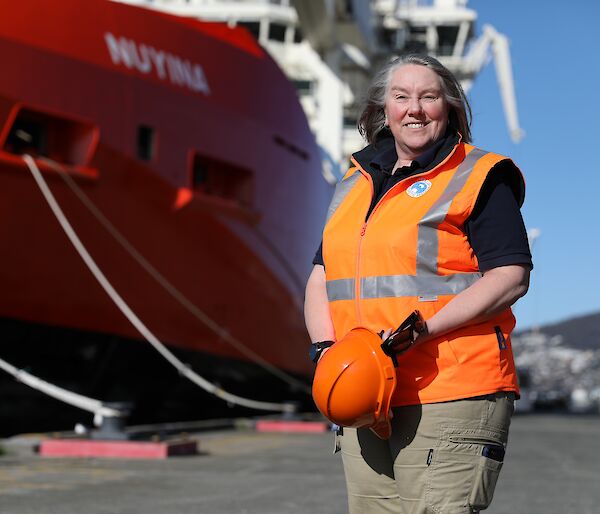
291, 426
116, 449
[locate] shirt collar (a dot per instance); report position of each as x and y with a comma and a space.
385, 159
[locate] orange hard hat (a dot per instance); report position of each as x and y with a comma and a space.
354, 382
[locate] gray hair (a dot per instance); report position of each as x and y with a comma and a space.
372, 118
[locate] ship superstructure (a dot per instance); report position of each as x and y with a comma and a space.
329, 49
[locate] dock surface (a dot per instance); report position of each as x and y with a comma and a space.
552, 466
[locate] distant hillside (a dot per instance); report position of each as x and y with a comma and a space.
582, 332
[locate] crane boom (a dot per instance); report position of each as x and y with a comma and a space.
505, 81
479, 56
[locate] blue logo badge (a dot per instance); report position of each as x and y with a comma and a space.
418, 188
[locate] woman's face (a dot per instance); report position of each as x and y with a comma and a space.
416, 109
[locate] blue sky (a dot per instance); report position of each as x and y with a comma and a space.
555, 49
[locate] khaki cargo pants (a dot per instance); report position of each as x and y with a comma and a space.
442, 458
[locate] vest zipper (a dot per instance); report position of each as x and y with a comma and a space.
358, 252
357, 278
366, 222
395, 186
363, 230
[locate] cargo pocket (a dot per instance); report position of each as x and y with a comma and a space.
459, 478
488, 471
449, 481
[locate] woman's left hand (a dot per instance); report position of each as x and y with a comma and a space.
403, 345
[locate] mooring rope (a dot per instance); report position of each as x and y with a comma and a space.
74, 399
170, 288
181, 367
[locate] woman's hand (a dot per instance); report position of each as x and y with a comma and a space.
385, 334
411, 330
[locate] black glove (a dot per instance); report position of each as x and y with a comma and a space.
404, 336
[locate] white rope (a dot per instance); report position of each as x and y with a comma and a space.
77, 400
130, 315
171, 289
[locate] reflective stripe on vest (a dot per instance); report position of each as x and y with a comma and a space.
427, 243
426, 284
425, 287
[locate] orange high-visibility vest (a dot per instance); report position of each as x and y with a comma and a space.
412, 253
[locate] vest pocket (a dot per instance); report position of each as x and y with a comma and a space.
502, 339
452, 351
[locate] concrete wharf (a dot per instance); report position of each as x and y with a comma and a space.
552, 467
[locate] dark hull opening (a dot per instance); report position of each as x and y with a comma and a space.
115, 369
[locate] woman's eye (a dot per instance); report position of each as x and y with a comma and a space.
429, 98
401, 97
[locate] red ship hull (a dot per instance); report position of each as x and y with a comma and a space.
188, 139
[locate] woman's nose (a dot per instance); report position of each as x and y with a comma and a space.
414, 106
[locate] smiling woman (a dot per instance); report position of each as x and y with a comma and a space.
416, 111
423, 226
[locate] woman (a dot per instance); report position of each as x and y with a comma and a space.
424, 221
